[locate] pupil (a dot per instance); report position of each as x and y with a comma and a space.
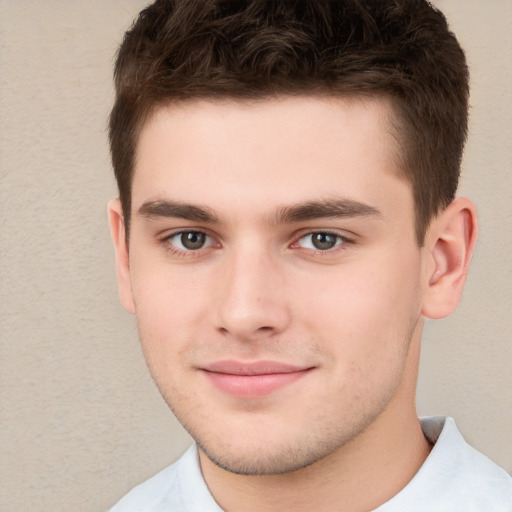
324, 241
192, 240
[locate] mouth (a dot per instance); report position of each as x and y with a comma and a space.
254, 379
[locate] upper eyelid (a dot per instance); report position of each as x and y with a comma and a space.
343, 240
169, 233
343, 234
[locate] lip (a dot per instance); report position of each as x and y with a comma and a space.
252, 379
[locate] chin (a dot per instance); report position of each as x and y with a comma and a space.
276, 456
277, 463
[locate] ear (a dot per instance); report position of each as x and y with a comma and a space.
118, 232
450, 242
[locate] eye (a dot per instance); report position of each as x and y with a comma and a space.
320, 241
190, 240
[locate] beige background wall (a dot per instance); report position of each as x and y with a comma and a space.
80, 420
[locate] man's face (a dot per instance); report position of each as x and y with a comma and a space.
275, 274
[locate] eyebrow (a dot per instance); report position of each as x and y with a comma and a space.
163, 208
331, 208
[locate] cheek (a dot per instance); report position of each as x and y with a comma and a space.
167, 291
365, 310
169, 308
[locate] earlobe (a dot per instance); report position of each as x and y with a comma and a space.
118, 232
450, 243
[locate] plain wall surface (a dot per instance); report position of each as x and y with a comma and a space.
81, 422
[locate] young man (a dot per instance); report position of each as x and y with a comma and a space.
287, 219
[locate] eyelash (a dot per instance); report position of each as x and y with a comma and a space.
341, 243
183, 253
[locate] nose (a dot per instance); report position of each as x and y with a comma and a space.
252, 302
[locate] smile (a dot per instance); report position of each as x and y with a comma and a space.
252, 380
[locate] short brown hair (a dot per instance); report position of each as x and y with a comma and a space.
185, 49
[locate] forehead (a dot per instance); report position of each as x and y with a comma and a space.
281, 150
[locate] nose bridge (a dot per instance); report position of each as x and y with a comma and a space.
251, 300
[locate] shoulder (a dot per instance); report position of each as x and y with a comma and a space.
455, 477
466, 468
147, 496
179, 487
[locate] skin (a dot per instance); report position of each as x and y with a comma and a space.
348, 317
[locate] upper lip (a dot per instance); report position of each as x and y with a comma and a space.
232, 367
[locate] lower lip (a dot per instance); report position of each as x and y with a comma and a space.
253, 386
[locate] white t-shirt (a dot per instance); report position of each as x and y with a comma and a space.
454, 478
